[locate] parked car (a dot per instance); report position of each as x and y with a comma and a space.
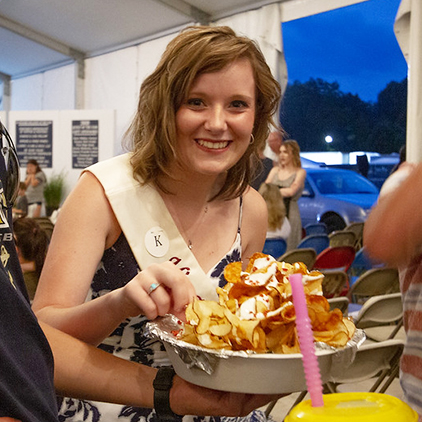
336, 197
380, 168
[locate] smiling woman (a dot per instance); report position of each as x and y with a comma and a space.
182, 197
215, 122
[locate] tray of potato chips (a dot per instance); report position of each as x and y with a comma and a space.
247, 341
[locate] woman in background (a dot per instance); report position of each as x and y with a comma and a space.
35, 181
289, 176
278, 223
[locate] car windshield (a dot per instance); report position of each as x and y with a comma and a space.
332, 182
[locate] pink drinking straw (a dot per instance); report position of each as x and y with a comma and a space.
306, 342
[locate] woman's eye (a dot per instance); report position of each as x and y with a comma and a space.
195, 102
239, 104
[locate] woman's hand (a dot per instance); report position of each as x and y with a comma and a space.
173, 294
189, 399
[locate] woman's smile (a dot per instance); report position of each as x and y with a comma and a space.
215, 122
215, 145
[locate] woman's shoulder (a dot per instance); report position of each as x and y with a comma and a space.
253, 197
41, 175
301, 173
272, 173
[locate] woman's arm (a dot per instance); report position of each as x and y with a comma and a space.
297, 184
28, 179
85, 228
393, 230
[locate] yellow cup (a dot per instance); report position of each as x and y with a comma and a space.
362, 407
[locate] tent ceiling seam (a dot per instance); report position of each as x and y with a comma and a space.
40, 38
181, 6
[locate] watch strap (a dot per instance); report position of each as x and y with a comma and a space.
162, 384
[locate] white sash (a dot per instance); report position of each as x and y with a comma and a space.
147, 224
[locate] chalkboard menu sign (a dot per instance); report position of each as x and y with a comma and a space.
84, 143
34, 140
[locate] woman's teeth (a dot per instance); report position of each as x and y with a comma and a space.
213, 145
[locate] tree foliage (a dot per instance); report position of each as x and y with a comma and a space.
312, 110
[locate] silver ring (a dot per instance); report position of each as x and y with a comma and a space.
154, 286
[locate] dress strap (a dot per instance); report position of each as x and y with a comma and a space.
240, 214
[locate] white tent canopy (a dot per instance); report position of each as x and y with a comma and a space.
91, 55
89, 65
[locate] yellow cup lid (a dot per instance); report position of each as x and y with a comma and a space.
365, 407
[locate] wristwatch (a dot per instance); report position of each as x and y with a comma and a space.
162, 383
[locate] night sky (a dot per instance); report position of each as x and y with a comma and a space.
354, 46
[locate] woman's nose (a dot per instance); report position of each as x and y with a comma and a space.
216, 120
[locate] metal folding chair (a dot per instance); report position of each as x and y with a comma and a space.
379, 361
305, 255
340, 302
335, 283
357, 229
362, 263
342, 238
373, 282
275, 247
319, 242
337, 257
315, 228
381, 317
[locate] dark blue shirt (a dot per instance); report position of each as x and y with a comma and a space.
26, 362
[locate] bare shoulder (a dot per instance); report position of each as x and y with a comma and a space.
301, 172
253, 203
271, 174
87, 206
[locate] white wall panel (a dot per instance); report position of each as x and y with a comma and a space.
59, 88
27, 93
111, 83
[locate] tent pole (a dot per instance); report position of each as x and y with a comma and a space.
414, 97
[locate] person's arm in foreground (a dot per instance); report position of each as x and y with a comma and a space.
393, 230
86, 372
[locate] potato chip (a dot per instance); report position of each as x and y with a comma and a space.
232, 272
255, 310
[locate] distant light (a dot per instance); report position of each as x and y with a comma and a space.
328, 139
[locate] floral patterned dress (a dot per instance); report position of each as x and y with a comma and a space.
117, 267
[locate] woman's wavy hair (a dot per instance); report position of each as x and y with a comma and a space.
294, 148
32, 241
275, 205
197, 50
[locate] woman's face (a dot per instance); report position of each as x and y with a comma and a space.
31, 168
285, 156
215, 123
